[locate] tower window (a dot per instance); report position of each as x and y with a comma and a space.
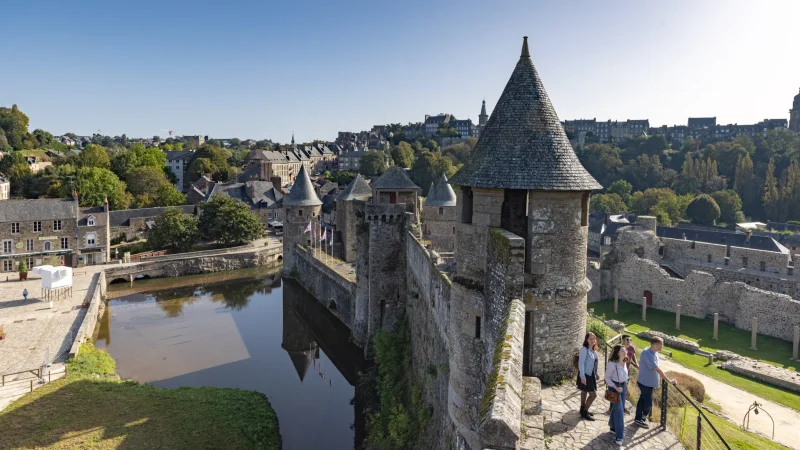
299, 212
477, 327
585, 210
466, 208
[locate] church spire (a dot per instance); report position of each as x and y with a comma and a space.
483, 117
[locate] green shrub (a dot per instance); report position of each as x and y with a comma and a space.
599, 329
91, 361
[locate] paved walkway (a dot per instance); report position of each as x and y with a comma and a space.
566, 430
34, 332
735, 403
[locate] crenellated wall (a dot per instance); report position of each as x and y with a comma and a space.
326, 285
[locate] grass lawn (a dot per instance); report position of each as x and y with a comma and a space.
101, 412
735, 437
771, 350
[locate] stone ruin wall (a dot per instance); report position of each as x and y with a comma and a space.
700, 293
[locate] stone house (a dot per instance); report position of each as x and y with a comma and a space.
263, 197
49, 230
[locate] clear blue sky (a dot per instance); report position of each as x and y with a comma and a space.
235, 69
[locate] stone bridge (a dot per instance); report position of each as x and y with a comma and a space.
197, 262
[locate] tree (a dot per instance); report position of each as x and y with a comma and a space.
218, 159
608, 203
747, 186
229, 221
18, 174
149, 156
176, 229
730, 205
150, 187
602, 161
770, 197
790, 192
168, 195
644, 172
621, 188
15, 126
703, 210
373, 163
344, 178
12, 159
200, 166
94, 156
662, 203
403, 155
429, 167
43, 137
95, 184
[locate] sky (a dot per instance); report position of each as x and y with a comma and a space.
267, 69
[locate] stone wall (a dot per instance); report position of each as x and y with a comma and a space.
346, 225
766, 373
627, 269
327, 286
95, 296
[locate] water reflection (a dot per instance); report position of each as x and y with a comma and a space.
238, 333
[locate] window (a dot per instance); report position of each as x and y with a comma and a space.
29, 245
709, 257
90, 221
763, 266
56, 225
477, 327
8, 265
15, 227
47, 246
607, 240
64, 243
299, 212
744, 261
7, 246
90, 239
29, 262
37, 226
441, 210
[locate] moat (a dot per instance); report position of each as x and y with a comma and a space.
243, 329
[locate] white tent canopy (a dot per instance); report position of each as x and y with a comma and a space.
54, 277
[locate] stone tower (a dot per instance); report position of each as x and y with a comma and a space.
482, 117
349, 204
439, 216
301, 208
794, 115
523, 185
298, 340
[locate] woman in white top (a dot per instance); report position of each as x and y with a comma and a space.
617, 381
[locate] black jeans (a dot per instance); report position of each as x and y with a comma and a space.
645, 403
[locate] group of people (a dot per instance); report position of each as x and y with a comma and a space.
616, 377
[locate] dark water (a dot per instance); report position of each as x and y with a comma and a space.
255, 332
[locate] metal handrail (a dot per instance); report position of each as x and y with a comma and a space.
665, 385
37, 372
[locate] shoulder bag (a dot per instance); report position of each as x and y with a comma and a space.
612, 395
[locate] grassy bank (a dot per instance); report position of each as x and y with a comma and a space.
771, 350
91, 408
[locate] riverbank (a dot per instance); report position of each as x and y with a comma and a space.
93, 408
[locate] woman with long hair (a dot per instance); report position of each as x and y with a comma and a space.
617, 381
587, 374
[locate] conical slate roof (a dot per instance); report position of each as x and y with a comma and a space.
394, 178
302, 193
301, 362
431, 191
443, 194
523, 145
358, 188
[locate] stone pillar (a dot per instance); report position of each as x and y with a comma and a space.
678, 317
644, 309
754, 335
716, 326
616, 301
796, 342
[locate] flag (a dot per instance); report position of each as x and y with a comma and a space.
324, 235
308, 228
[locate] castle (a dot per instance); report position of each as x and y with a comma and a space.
503, 296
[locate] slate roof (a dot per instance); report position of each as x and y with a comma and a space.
523, 145
717, 237
179, 154
357, 189
395, 178
264, 194
443, 194
40, 209
302, 193
122, 217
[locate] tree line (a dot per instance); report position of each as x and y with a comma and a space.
758, 178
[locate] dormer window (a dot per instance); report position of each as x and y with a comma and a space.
90, 221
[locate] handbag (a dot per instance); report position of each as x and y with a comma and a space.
611, 395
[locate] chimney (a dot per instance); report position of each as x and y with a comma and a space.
747, 237
276, 183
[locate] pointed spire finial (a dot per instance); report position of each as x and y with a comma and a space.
525, 52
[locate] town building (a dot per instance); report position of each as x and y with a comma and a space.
178, 163
350, 161
195, 141
263, 197
5, 188
603, 230
432, 123
794, 115
52, 231
130, 224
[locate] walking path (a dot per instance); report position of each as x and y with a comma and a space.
735, 403
566, 430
